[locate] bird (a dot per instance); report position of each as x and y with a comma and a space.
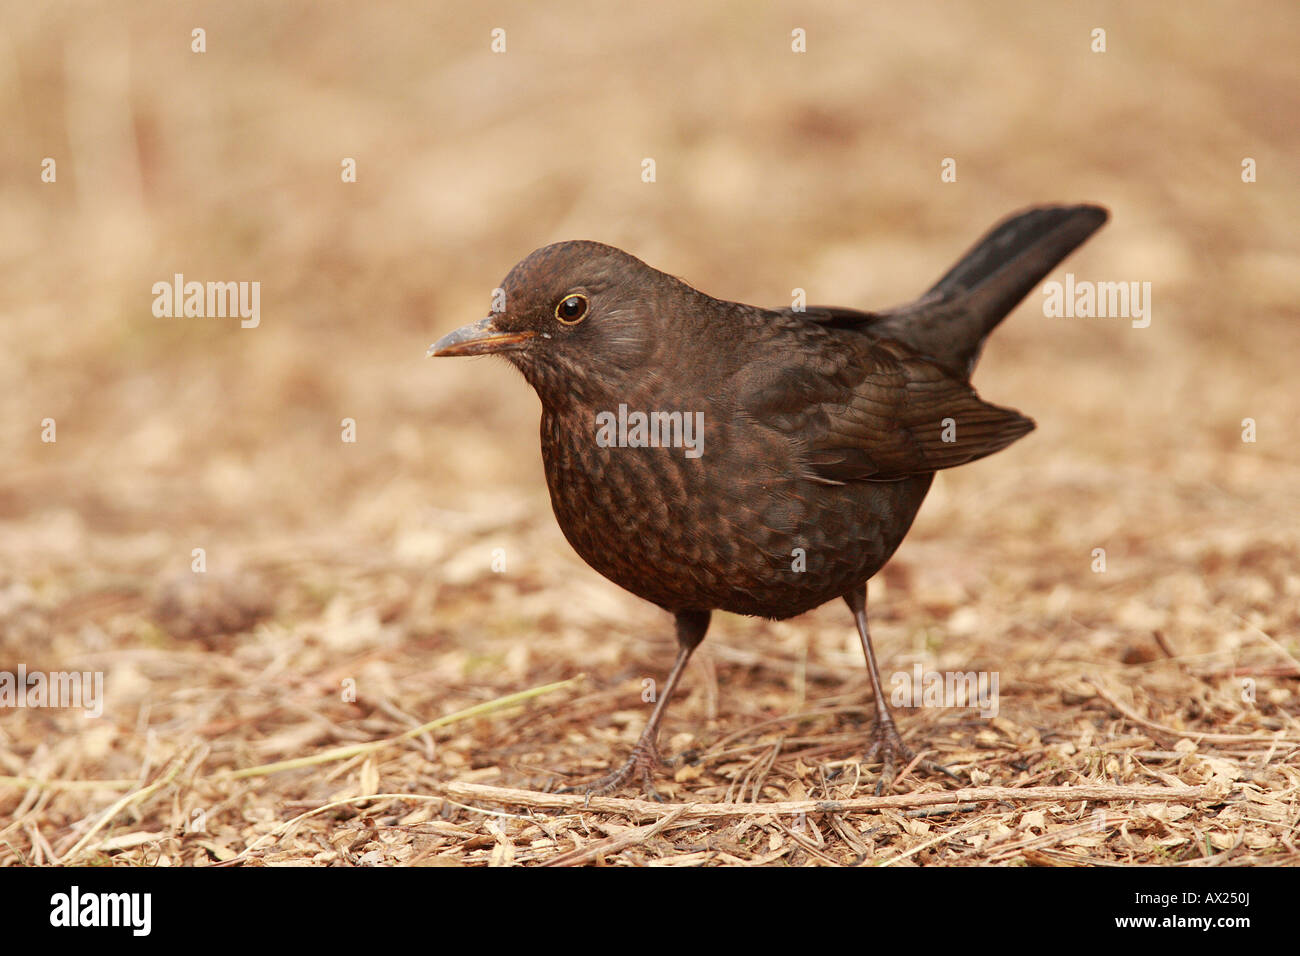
707, 455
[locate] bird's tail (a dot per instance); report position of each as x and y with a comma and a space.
952, 320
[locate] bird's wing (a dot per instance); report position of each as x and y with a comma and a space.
867, 409
834, 316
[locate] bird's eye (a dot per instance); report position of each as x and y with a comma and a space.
572, 309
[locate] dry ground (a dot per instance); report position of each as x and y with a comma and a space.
1148, 714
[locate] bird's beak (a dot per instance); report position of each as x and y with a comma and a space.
479, 338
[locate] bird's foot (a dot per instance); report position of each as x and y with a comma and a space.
887, 745
645, 758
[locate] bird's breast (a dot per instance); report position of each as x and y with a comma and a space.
697, 510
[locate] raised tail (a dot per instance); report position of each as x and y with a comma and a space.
951, 321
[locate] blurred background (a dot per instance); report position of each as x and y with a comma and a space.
774, 169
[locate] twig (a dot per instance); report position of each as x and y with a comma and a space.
617, 842
1269, 639
122, 803
39, 784
353, 750
937, 838
649, 809
1199, 735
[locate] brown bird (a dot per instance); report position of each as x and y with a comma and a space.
708, 455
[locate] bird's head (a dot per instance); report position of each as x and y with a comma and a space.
576, 318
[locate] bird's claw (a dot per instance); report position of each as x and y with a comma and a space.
645, 758
887, 744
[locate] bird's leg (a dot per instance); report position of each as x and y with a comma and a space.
691, 627
886, 742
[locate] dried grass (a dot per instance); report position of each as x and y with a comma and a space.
1148, 714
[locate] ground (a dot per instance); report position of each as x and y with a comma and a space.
1128, 571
